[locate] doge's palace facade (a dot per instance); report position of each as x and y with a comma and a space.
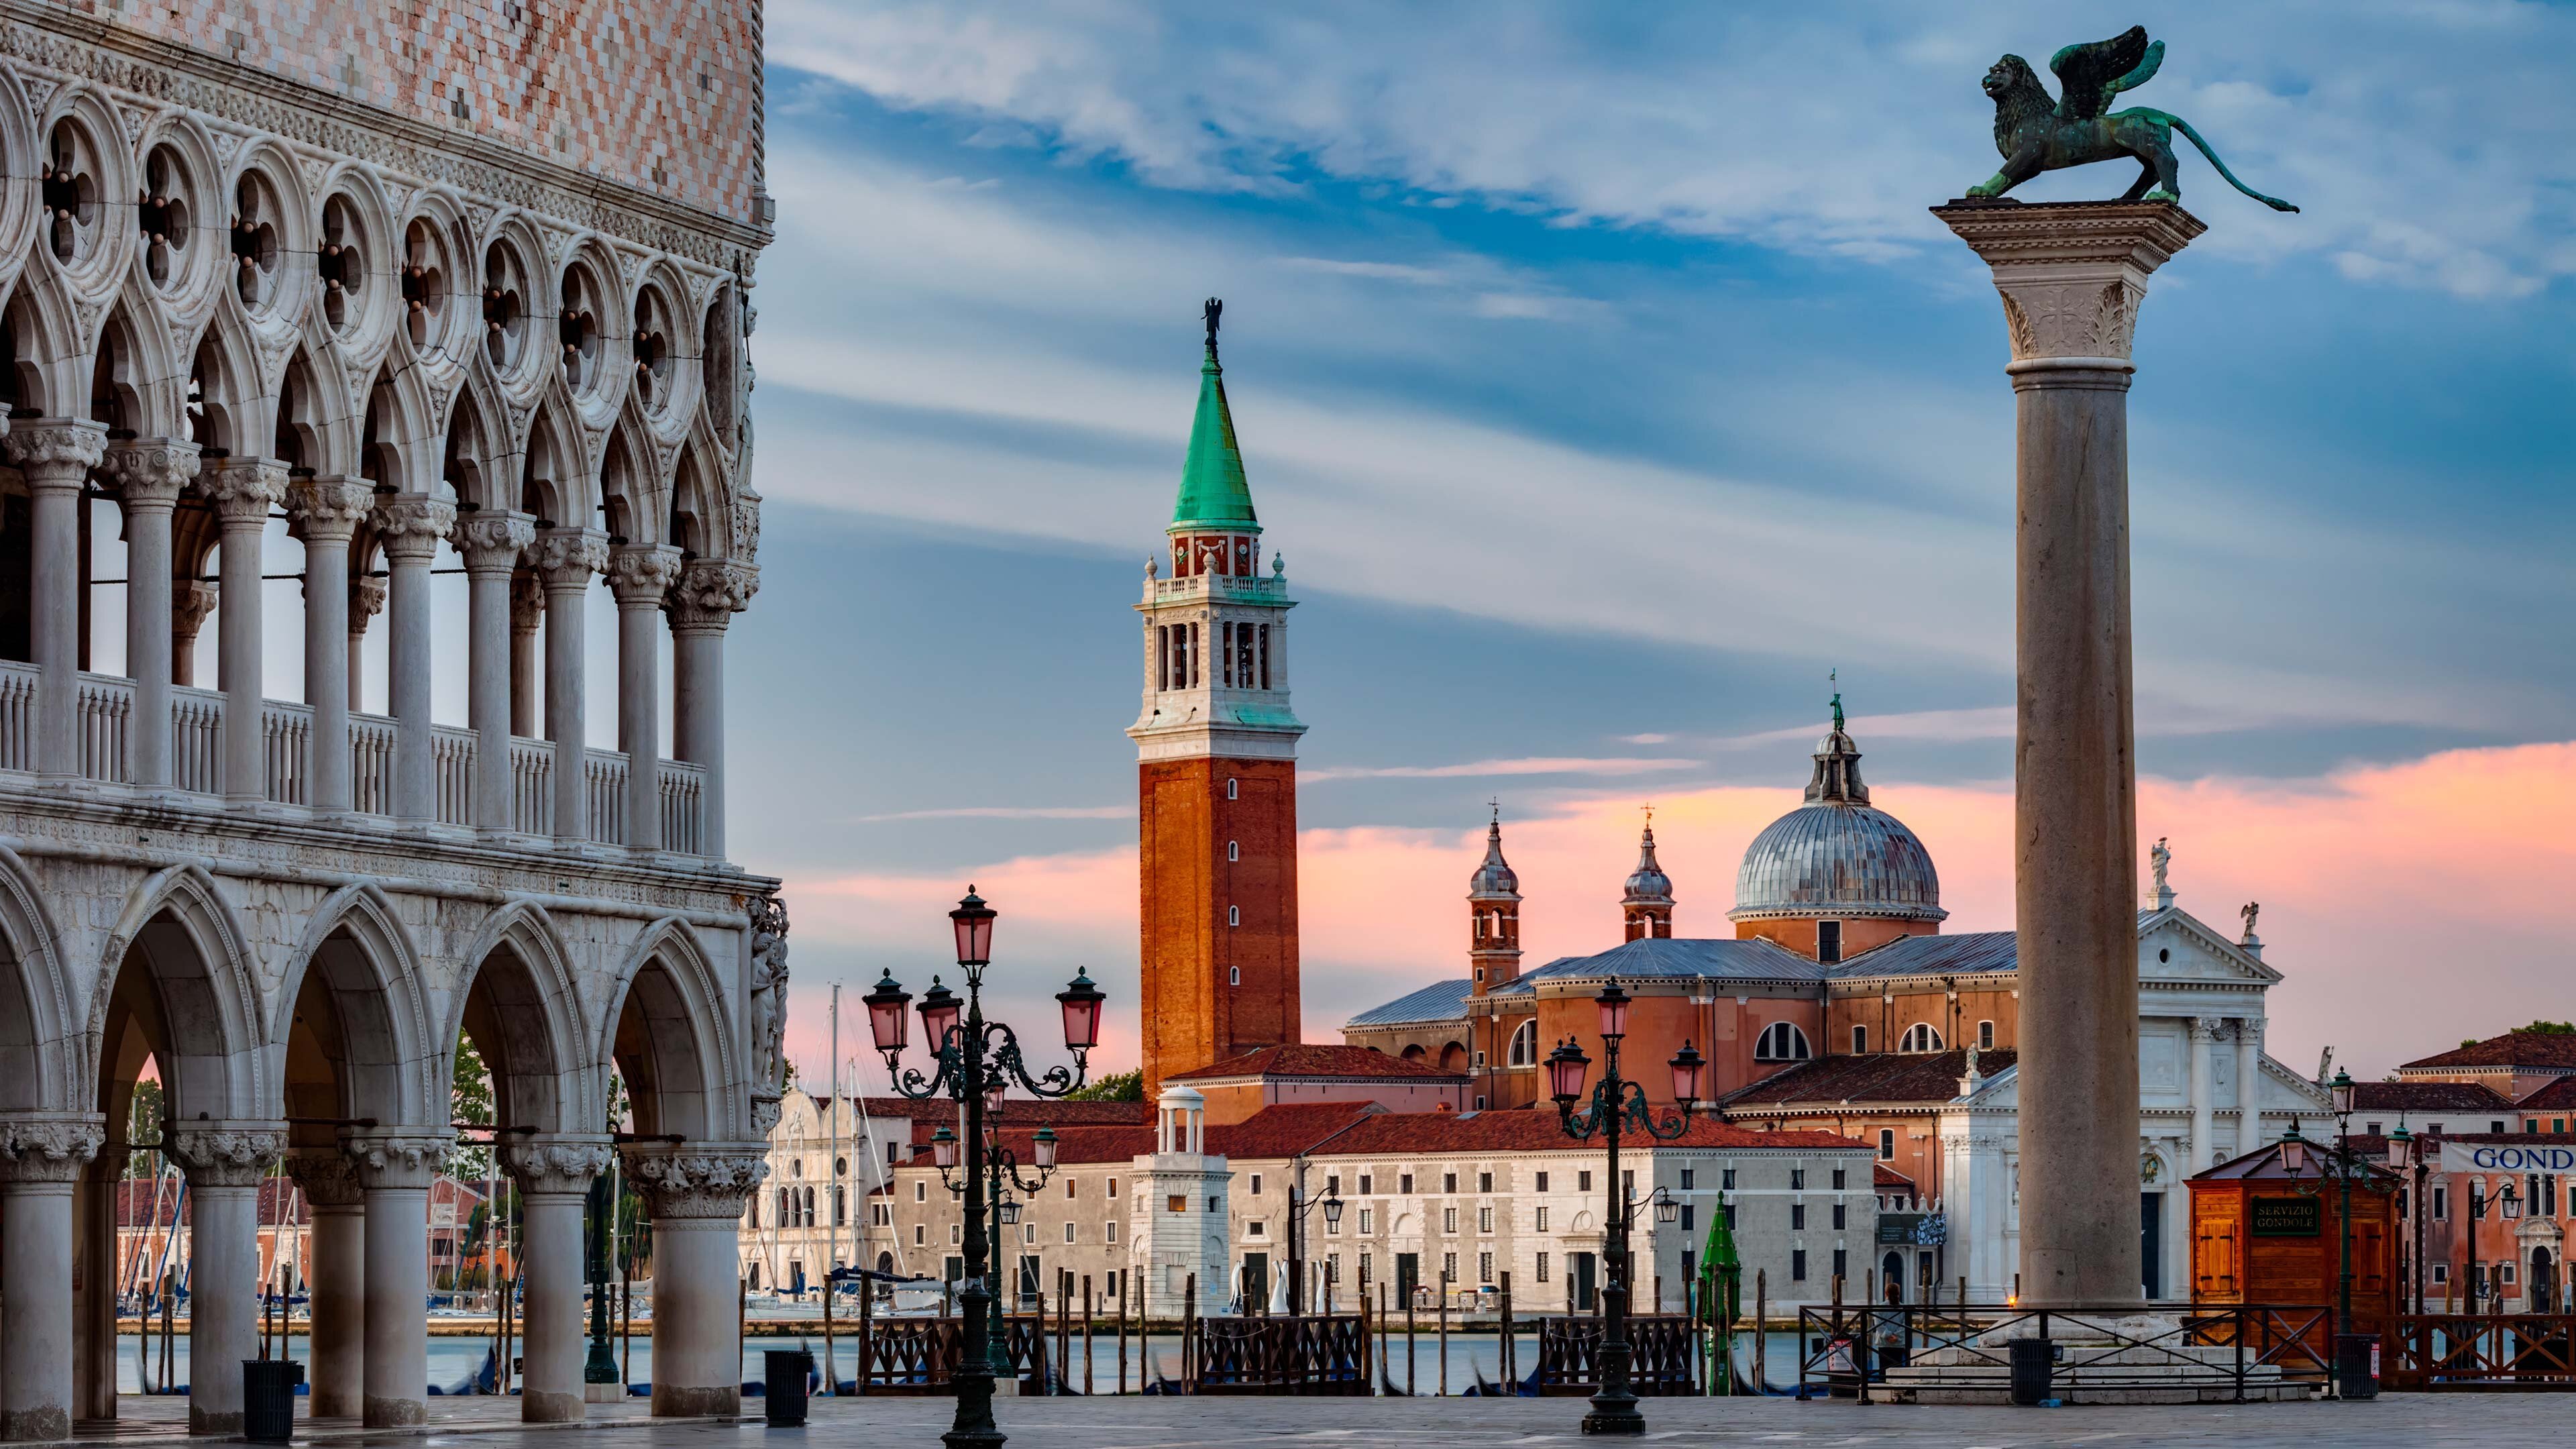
308, 302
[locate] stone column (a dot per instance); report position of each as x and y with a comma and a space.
2072, 277
695, 1193
640, 575
94, 1341
527, 610
411, 526
148, 474
366, 601
491, 542
2249, 1083
395, 1169
709, 593
191, 600
554, 1176
224, 1162
339, 1282
243, 490
41, 1158
326, 513
2204, 1096
567, 559
56, 455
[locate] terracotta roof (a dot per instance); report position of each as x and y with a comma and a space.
1028, 1110
1889, 1179
2547, 1050
1302, 1060
2430, 1097
1362, 1129
1911, 1078
2559, 1095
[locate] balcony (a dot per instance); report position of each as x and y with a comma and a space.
1249, 588
105, 718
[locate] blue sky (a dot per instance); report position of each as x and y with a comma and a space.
1604, 383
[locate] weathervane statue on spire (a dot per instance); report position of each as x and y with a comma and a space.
1214, 309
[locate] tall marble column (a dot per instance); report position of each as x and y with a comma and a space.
527, 611
695, 1193
641, 575
2072, 277
243, 490
366, 601
41, 1158
395, 1169
2204, 1095
567, 559
339, 1282
491, 542
94, 1339
55, 455
191, 601
224, 1162
325, 514
148, 474
554, 1176
2249, 1083
709, 593
411, 526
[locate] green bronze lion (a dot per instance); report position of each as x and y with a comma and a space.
2037, 134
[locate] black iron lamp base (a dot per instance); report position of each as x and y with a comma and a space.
1614, 1414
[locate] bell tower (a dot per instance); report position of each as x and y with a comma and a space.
1216, 766
1646, 905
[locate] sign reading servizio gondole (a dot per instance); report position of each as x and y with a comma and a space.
2506, 1157
2288, 1217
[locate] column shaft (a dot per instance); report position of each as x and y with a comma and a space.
339, 1311
567, 558
2204, 1093
395, 1170
244, 490
2249, 1084
327, 512
552, 1391
411, 526
36, 1285
641, 575
696, 1203
702, 605
191, 600
55, 455
491, 543
224, 1162
148, 475
527, 610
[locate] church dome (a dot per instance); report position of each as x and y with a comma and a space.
1495, 877
1648, 885
1835, 855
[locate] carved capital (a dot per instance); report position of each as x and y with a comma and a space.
225, 1154
410, 525
492, 540
710, 592
328, 1177
328, 510
149, 473
639, 574
191, 600
54, 452
2207, 1028
527, 602
694, 1182
394, 1160
366, 601
557, 1165
2072, 275
244, 490
52, 1148
567, 558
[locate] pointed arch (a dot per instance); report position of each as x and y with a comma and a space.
667, 1032
365, 967
136, 379
520, 1005
399, 446
46, 360
315, 431
476, 462
231, 410
42, 1044
18, 155
633, 498
555, 478
700, 521
178, 951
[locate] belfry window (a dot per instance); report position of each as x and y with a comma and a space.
1229, 790
1234, 915
1234, 850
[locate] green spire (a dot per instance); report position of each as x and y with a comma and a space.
1213, 490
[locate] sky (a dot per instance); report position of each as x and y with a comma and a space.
1604, 383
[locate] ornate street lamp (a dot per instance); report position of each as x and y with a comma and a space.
1618, 1105
2344, 1165
973, 1060
2406, 1155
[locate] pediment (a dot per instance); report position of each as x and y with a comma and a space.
2196, 953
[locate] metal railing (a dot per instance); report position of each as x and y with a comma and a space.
2222, 1346
2480, 1351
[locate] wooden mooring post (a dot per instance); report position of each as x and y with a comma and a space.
1507, 1349
1761, 1330
1444, 1335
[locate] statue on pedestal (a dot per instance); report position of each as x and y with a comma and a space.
768, 1008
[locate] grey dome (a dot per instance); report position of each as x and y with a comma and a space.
1648, 885
1837, 859
1495, 877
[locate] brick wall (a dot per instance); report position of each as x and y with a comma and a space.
1194, 1013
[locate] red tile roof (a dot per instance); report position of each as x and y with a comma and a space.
2559, 1095
1889, 1179
1361, 1129
1317, 1060
2429, 1097
1016, 1109
2549, 1051
1898, 1078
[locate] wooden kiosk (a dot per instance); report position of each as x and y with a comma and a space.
2261, 1234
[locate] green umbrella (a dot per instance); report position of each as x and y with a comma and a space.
1721, 1295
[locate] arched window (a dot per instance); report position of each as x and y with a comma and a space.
1524, 1049
1920, 1037
1985, 1036
1780, 1042
809, 1208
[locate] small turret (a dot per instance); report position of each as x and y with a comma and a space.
1647, 906
1494, 915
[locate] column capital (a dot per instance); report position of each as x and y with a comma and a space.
527, 602
396, 1158
225, 1153
191, 600
54, 452
409, 525
2206, 1028
492, 539
2072, 273
554, 1165
244, 489
328, 510
565, 558
328, 1177
54, 1147
149, 473
693, 1180
639, 574
710, 592
366, 601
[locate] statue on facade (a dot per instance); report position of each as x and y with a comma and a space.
2160, 859
2036, 133
768, 1007
2249, 911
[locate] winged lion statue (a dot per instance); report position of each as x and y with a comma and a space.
2037, 134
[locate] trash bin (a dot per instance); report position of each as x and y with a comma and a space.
784, 1396
268, 1399
2033, 1360
2357, 1365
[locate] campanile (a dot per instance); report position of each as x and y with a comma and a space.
1216, 769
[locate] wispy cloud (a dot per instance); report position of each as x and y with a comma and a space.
1476, 769
1010, 812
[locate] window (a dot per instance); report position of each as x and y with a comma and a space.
2441, 1206
1860, 1041
1068, 1228
1113, 1187
1829, 941
1484, 1220
1449, 1268
1797, 1265
2494, 1126
1726, 1179
1367, 1183
1920, 1037
1689, 1176
1690, 1220
1840, 1179
840, 1206
1780, 1042
1797, 1179
1256, 1184
920, 1235
894, 1154
1542, 1182
1229, 789
1628, 1184
1332, 1267
880, 1216
1364, 1270
1583, 1180
1524, 1048
1176, 1204
921, 1190
954, 1234
1253, 1229
1216, 1205
1028, 1232
1730, 1217
1542, 1267
1484, 1182
1112, 1235
1484, 1267
1448, 1182
1448, 1220
2441, 1272
1838, 1221
1985, 1036
1797, 1216
1839, 1263
1886, 1144
1068, 1187
1404, 1182
1366, 1218
1234, 917
1234, 850
1542, 1220
1480, 1066
1333, 1184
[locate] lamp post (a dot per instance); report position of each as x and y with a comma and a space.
1618, 1105
1298, 1207
974, 1061
2405, 1154
2344, 1164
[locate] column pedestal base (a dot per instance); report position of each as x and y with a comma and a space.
603, 1393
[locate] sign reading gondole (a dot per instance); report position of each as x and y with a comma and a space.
2506, 1157
2288, 1217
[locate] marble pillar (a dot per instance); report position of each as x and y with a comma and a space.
702, 604
695, 1193
491, 541
366, 601
94, 1351
2249, 1083
527, 611
554, 1176
411, 526
337, 1368
191, 602
2072, 276
224, 1162
325, 514
395, 1169
55, 455
41, 1160
2204, 1095
148, 474
641, 575
567, 559
243, 490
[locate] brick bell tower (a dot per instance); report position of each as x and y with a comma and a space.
1216, 770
